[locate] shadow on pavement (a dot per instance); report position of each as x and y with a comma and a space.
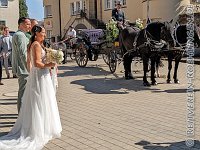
12, 99
112, 86
168, 146
3, 133
8, 116
5, 123
94, 70
8, 101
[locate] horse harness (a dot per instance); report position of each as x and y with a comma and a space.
152, 44
181, 47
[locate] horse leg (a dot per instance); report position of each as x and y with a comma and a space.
145, 69
153, 63
157, 74
127, 67
177, 60
170, 58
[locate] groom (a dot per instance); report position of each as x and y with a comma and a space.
19, 55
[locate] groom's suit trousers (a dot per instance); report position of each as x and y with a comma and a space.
22, 85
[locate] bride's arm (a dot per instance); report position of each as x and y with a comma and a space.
29, 61
37, 49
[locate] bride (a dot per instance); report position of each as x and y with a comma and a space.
38, 120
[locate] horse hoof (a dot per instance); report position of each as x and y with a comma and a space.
169, 81
129, 77
146, 84
177, 81
154, 83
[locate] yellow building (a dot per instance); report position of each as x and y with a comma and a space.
60, 14
9, 14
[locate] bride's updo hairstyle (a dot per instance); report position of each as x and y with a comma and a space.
34, 30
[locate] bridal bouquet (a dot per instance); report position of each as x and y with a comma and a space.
55, 56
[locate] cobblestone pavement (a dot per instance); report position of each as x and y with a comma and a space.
101, 111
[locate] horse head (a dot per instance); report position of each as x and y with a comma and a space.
160, 31
166, 34
181, 34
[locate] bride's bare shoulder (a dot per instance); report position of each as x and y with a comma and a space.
35, 44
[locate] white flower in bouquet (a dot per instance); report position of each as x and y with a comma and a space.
55, 56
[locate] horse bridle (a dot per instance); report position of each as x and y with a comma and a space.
153, 44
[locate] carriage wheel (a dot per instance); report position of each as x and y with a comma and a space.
112, 61
81, 55
105, 58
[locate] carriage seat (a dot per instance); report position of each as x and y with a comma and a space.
94, 35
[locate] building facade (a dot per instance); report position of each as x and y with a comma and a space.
95, 13
9, 14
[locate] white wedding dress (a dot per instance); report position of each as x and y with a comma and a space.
38, 120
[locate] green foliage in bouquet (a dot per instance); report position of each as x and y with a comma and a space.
112, 32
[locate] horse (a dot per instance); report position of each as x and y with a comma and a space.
180, 38
146, 43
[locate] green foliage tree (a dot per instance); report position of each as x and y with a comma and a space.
23, 9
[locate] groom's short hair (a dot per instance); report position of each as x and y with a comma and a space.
22, 20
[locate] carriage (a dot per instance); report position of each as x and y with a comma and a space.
91, 43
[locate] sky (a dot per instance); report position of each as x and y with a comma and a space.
35, 9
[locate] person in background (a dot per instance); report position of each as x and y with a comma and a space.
33, 23
19, 55
71, 32
1, 72
6, 48
118, 15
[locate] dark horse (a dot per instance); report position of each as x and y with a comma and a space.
180, 37
146, 43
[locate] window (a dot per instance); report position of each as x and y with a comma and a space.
47, 11
108, 4
72, 5
3, 3
49, 33
84, 6
123, 2
78, 7
2, 24
196, 1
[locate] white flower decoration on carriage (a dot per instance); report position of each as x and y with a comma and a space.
55, 56
139, 23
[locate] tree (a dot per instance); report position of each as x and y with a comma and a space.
23, 9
